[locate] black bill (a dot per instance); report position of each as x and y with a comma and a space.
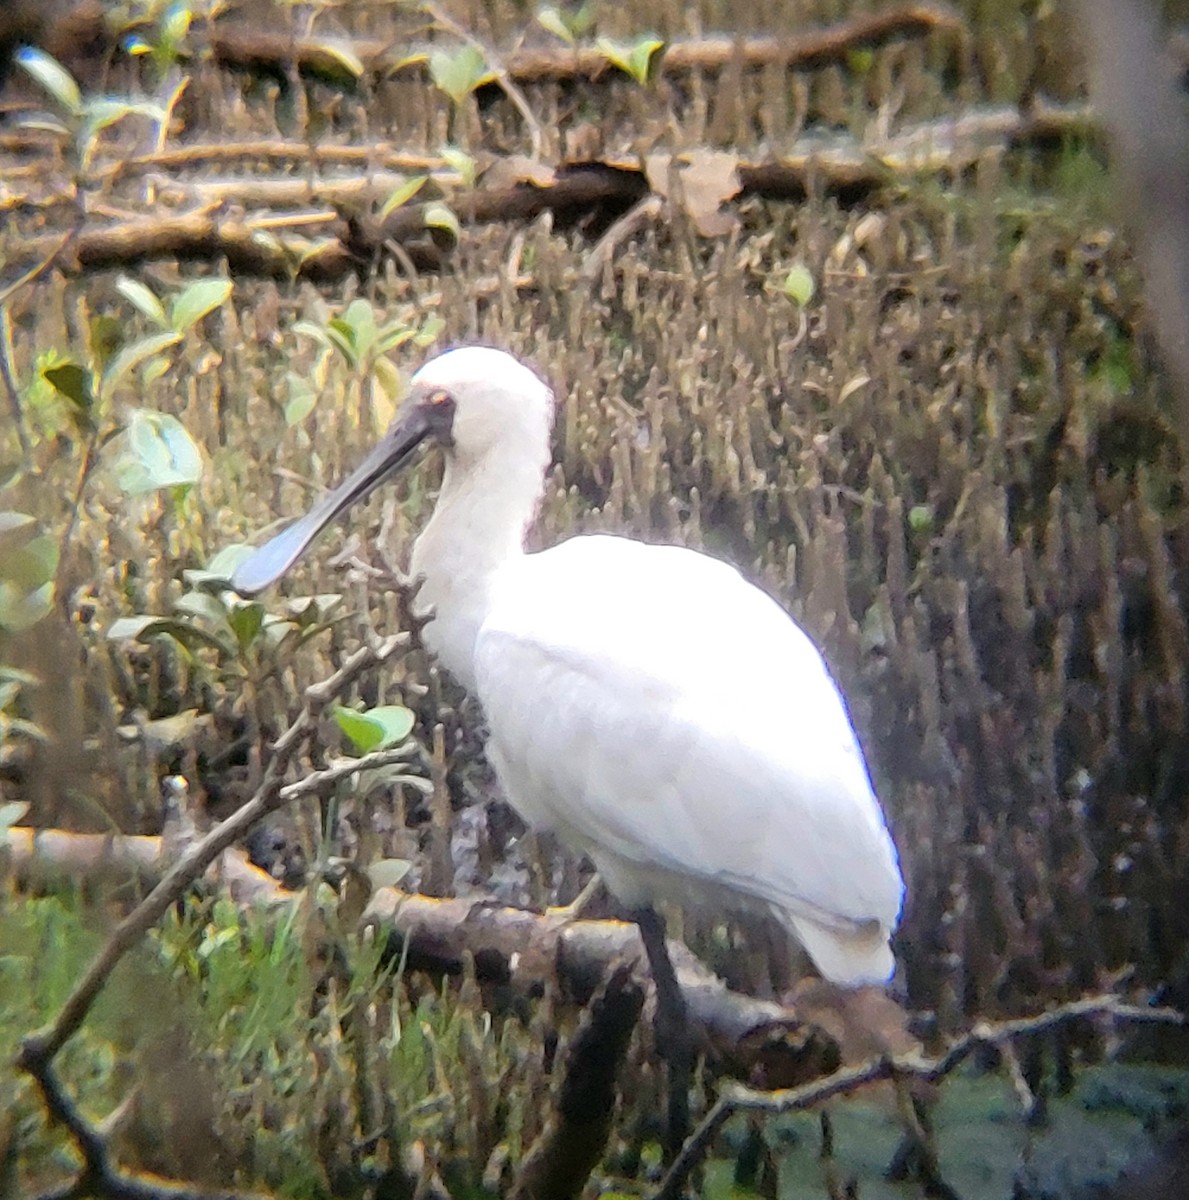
269, 562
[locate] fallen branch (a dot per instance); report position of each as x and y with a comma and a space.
248, 246
261, 51
908, 1068
37, 857
593, 196
749, 1038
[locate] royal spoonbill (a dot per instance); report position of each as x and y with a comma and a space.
647, 704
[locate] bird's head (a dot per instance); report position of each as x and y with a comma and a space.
473, 401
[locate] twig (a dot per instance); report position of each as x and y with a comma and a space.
502, 76
49, 257
344, 768
8, 374
574, 1137
735, 1098
639, 215
37, 1050
99, 1176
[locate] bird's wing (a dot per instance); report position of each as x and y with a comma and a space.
657, 711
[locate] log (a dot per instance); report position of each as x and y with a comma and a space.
590, 195
40, 857
745, 1037
262, 51
756, 1040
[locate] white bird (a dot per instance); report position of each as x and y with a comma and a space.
648, 705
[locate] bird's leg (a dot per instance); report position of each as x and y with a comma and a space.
581, 902
674, 1042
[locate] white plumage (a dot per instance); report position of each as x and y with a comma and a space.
645, 703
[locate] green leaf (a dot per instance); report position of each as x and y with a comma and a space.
14, 810
245, 621
396, 720
311, 330
142, 628
72, 380
799, 285
376, 728
103, 112
430, 328
388, 377
385, 872
402, 194
158, 453
394, 335
53, 77
132, 356
364, 734
176, 24
441, 216
343, 336
153, 370
223, 565
199, 298
20, 610
201, 580
125, 628
309, 610
202, 605
920, 518
143, 299
582, 20
860, 61
33, 565
633, 58
462, 162
303, 396
343, 56
458, 72
107, 335
17, 529
551, 20
360, 318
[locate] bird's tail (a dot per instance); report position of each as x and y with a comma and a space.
851, 955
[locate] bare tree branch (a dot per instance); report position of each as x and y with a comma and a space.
560, 1161
735, 1099
38, 1050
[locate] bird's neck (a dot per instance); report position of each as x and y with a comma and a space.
477, 528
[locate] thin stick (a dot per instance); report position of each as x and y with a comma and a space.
40, 268
742, 1099
38, 1049
502, 76
8, 374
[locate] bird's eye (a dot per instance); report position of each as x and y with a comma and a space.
438, 406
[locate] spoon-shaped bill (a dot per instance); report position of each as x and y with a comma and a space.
265, 565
